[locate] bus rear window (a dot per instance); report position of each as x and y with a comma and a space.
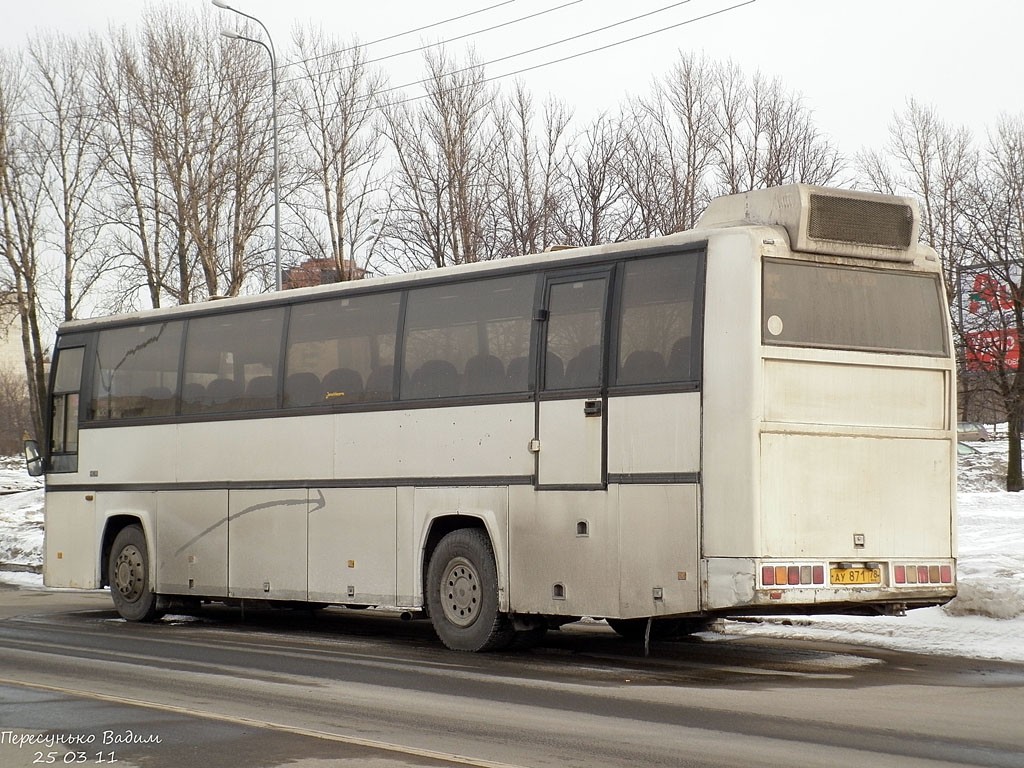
825, 306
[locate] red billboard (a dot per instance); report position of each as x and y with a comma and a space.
988, 294
992, 350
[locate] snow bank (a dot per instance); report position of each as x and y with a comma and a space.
21, 516
990, 567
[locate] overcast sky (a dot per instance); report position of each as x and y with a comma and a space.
854, 62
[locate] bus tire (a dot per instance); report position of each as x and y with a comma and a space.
128, 573
462, 593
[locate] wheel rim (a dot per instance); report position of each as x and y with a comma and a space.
129, 573
460, 592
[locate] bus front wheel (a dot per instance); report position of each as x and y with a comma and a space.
128, 573
462, 593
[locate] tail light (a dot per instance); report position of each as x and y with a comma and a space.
793, 575
905, 574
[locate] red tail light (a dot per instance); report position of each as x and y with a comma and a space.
914, 574
796, 575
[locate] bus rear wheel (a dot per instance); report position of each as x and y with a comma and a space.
128, 573
462, 593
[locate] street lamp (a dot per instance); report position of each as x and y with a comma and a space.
269, 48
359, 241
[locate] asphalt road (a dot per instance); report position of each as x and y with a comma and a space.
346, 688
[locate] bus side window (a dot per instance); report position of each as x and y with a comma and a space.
231, 362
574, 333
462, 339
341, 351
135, 372
657, 320
64, 415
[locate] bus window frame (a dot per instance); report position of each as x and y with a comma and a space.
934, 277
699, 252
548, 280
64, 461
407, 376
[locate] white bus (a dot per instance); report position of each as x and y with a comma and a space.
751, 417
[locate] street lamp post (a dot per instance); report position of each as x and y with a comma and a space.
269, 48
369, 237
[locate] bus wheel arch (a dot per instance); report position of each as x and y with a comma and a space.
461, 589
127, 570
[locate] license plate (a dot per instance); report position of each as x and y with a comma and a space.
856, 575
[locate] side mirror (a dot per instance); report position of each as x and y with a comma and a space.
33, 459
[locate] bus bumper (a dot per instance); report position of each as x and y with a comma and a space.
823, 586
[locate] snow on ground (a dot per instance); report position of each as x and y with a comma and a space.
21, 517
986, 619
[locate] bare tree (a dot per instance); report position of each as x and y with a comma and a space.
690, 94
442, 148
875, 168
333, 104
644, 167
528, 175
769, 137
22, 197
136, 220
67, 130
202, 105
731, 90
669, 148
165, 79
595, 189
937, 160
248, 145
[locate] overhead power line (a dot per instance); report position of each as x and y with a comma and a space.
620, 42
550, 62
437, 44
563, 41
399, 34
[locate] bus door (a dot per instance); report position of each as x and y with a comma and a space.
571, 452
